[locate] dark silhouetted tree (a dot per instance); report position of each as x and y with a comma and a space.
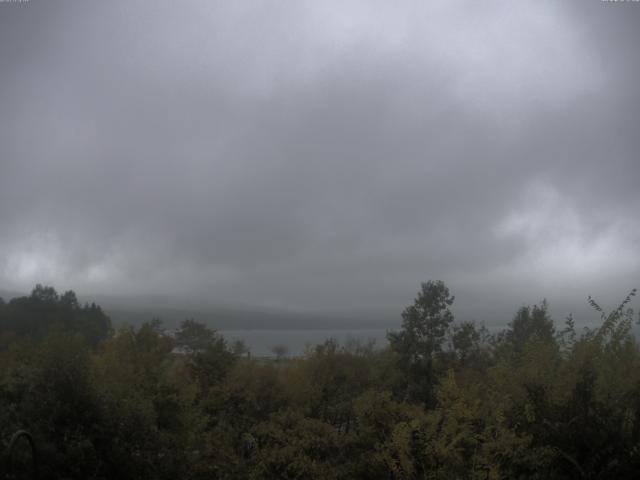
424, 329
530, 324
280, 351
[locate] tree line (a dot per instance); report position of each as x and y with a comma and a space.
443, 400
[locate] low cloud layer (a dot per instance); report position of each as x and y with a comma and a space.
321, 155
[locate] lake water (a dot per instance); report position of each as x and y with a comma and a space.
260, 342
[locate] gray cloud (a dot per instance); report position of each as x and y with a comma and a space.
321, 155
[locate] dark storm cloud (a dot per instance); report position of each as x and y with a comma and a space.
320, 155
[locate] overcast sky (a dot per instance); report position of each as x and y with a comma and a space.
322, 155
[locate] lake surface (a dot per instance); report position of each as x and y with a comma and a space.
260, 342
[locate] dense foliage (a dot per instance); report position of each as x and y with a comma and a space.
444, 400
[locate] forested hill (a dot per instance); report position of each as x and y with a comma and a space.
239, 318
172, 311
44, 310
444, 400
